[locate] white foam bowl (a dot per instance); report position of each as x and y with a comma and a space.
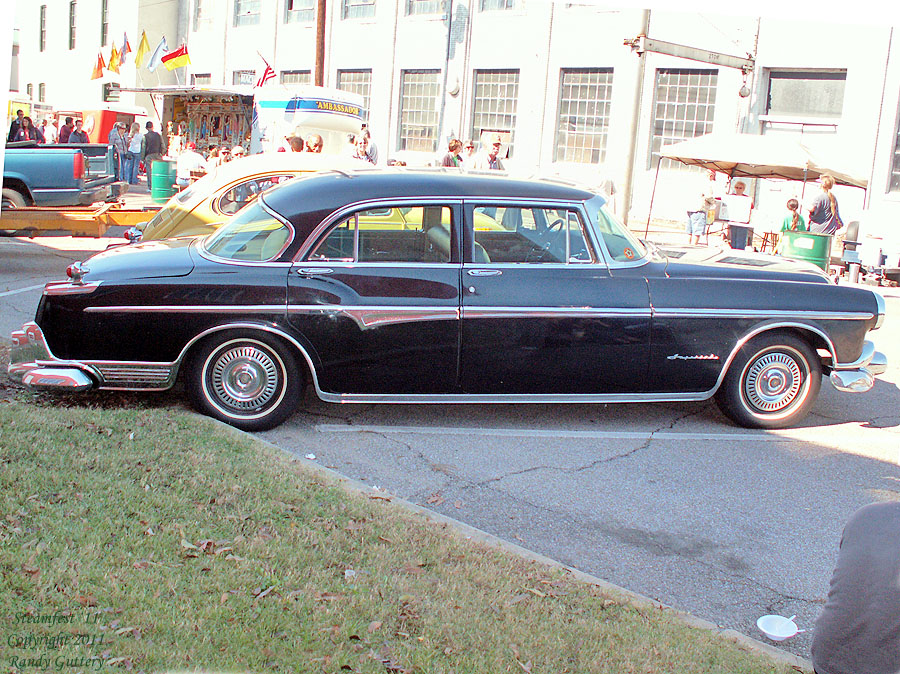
776, 627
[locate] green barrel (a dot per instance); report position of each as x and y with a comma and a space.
162, 180
807, 246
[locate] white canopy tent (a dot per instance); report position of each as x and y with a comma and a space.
775, 156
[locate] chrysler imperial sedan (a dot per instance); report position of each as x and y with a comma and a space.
555, 302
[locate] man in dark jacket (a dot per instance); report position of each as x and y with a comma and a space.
152, 149
15, 126
78, 136
65, 131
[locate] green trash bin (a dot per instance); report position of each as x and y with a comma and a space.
807, 246
162, 180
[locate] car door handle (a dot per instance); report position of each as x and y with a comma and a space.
314, 271
484, 272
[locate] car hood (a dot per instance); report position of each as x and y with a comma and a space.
154, 259
699, 262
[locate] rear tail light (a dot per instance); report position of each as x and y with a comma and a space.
78, 166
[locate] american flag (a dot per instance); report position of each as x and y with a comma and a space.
267, 75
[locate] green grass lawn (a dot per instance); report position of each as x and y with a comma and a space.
149, 539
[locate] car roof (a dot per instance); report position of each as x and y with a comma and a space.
268, 162
305, 201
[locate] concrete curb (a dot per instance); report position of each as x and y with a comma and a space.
484, 537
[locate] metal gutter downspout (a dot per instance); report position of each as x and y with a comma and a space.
635, 122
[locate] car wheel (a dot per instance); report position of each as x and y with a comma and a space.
13, 199
249, 381
772, 382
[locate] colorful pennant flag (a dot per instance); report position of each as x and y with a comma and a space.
176, 59
142, 50
156, 57
98, 69
267, 75
114, 59
126, 48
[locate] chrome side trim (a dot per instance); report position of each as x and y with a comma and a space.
373, 317
879, 301
526, 398
762, 313
553, 312
193, 309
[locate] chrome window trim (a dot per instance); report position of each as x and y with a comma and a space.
598, 255
240, 181
344, 211
204, 253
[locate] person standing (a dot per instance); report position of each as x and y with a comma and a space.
77, 135
65, 131
117, 139
15, 126
739, 234
133, 154
361, 149
452, 157
49, 130
296, 143
468, 154
27, 131
824, 216
794, 222
858, 630
314, 143
152, 149
705, 200
490, 160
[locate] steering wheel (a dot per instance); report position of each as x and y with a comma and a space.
551, 239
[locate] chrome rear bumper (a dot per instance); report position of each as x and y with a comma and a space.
31, 363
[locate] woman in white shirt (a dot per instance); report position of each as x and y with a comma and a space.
133, 154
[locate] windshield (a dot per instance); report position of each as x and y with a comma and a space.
622, 245
252, 235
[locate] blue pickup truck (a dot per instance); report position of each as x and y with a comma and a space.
59, 175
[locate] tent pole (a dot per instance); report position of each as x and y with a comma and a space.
803, 189
652, 195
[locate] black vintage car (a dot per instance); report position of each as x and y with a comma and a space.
441, 287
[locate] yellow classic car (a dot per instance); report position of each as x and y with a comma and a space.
208, 203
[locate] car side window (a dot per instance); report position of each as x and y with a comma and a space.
403, 234
532, 235
237, 197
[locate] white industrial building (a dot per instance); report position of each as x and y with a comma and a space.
555, 78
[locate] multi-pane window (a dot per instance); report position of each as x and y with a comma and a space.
357, 9
202, 13
243, 77
498, 4
296, 77
817, 94
246, 12
42, 92
72, 24
201, 78
104, 22
494, 104
359, 82
419, 91
684, 107
42, 29
299, 11
582, 125
414, 7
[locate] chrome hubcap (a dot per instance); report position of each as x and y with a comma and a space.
773, 382
245, 378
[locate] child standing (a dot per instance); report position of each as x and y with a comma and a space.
793, 222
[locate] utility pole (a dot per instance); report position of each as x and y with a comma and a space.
635, 123
320, 44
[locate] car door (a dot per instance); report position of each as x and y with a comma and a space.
541, 311
377, 299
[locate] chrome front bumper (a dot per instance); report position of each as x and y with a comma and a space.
859, 377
